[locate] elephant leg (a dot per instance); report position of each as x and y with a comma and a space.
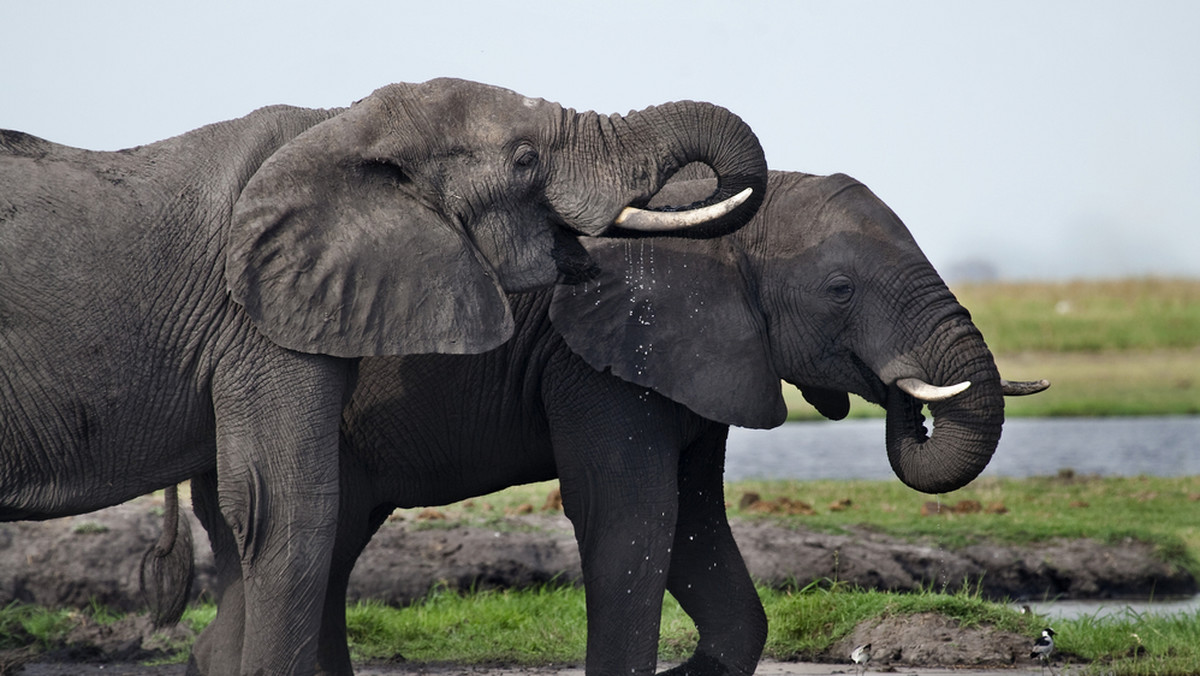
617, 471
277, 485
218, 649
708, 575
357, 522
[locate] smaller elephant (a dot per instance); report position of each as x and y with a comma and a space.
624, 388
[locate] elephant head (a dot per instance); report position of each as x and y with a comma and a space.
396, 225
826, 289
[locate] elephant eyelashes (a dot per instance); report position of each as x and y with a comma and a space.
525, 157
840, 290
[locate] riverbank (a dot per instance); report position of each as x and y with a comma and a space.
1009, 539
951, 554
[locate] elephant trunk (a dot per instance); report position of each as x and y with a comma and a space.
642, 150
966, 426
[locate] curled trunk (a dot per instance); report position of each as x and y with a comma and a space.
639, 152
966, 427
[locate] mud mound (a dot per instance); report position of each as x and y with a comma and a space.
928, 639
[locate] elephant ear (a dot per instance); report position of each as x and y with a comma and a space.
675, 316
832, 404
332, 250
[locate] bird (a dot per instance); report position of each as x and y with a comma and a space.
860, 656
1043, 647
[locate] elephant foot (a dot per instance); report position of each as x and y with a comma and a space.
700, 664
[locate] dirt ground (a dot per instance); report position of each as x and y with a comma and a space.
76, 561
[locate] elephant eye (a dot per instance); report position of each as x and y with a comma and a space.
387, 171
840, 289
525, 157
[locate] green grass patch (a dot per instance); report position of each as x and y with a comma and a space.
1134, 644
23, 625
1086, 316
1163, 511
547, 625
544, 625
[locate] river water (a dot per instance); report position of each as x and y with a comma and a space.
854, 449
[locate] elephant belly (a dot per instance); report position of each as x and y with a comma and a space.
426, 471
75, 447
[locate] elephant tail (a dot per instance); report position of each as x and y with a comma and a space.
168, 567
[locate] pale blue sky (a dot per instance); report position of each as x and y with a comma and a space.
1051, 139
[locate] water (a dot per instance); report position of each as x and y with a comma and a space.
1115, 609
854, 449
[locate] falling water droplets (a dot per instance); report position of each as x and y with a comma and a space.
943, 574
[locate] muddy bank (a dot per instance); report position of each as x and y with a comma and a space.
73, 561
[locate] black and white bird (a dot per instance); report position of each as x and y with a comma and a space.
1043, 647
860, 656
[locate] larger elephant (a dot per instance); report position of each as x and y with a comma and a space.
624, 387
206, 298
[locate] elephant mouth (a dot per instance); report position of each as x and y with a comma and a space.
574, 264
874, 390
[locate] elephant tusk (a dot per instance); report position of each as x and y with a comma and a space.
649, 220
1020, 388
919, 389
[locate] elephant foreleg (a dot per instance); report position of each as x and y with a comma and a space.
277, 482
708, 576
618, 487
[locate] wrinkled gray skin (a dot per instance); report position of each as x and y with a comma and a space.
825, 288
206, 297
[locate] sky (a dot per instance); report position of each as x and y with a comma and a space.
1041, 139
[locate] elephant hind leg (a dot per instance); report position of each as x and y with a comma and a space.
218, 649
357, 522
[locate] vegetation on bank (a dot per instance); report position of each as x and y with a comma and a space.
514, 626
1121, 347
1162, 511
547, 625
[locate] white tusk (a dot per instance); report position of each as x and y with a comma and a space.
1021, 388
919, 389
648, 220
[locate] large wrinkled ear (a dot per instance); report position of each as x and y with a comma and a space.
333, 251
675, 316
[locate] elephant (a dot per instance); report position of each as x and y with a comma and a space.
204, 301
624, 387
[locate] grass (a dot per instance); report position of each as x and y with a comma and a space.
1086, 316
1123, 347
547, 625
1163, 511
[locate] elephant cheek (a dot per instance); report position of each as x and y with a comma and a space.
523, 263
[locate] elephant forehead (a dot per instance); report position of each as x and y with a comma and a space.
458, 108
